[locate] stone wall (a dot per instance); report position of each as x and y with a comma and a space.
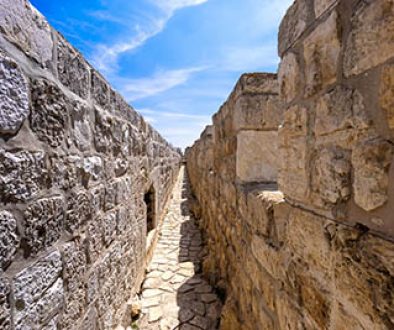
316, 250
75, 163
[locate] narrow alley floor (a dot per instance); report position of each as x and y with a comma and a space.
174, 294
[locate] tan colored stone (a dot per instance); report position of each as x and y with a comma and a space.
321, 53
340, 109
371, 161
257, 159
322, 5
289, 77
370, 42
331, 175
386, 95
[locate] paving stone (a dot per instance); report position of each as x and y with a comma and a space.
170, 285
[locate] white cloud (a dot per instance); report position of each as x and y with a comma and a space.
163, 80
105, 57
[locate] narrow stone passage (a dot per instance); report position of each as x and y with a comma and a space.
174, 293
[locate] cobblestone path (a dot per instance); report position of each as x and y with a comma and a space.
174, 294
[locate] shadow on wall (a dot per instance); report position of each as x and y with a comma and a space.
198, 303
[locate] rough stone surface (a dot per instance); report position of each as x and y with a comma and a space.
49, 115
322, 5
386, 95
43, 223
24, 26
5, 304
289, 77
371, 160
321, 53
14, 97
371, 21
22, 175
9, 241
253, 150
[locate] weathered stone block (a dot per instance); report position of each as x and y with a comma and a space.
257, 153
110, 195
49, 115
289, 77
24, 26
256, 83
103, 134
78, 211
43, 223
92, 170
5, 304
322, 5
22, 174
386, 94
9, 239
81, 131
97, 196
14, 96
293, 174
95, 242
109, 224
65, 171
340, 109
371, 161
99, 90
72, 70
257, 112
321, 53
75, 262
289, 313
371, 22
331, 178
38, 292
293, 25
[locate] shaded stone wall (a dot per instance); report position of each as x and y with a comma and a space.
317, 251
75, 163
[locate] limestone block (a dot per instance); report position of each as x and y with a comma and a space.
22, 174
92, 169
74, 260
256, 83
95, 242
14, 96
386, 94
24, 26
289, 77
5, 304
78, 211
49, 113
72, 70
321, 53
255, 112
340, 109
103, 135
121, 166
9, 238
371, 161
306, 238
80, 123
293, 25
293, 175
109, 224
289, 313
257, 153
65, 171
363, 275
331, 176
99, 90
38, 292
43, 223
92, 286
97, 195
110, 195
322, 5
371, 22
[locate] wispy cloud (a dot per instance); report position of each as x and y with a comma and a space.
163, 80
105, 57
173, 115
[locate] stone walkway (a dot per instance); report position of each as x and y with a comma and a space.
174, 294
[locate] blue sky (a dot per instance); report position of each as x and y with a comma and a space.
175, 61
